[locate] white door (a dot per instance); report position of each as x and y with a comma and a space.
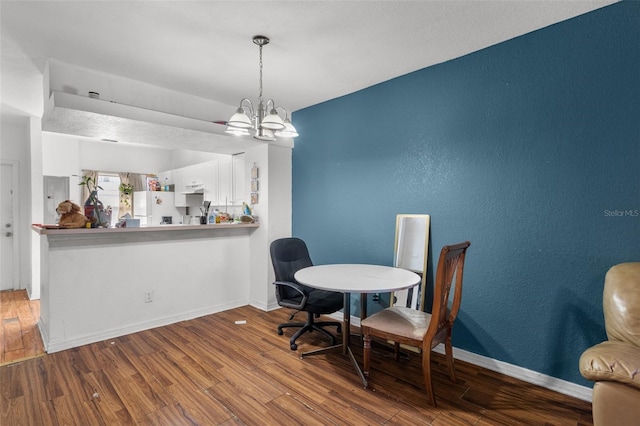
56, 190
6, 227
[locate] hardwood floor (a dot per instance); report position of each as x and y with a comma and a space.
212, 371
19, 335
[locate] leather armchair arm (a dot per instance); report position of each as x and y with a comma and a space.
613, 361
288, 303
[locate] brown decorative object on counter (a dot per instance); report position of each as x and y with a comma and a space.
70, 218
93, 207
245, 218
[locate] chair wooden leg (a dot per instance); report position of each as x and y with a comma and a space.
396, 353
366, 338
448, 350
426, 370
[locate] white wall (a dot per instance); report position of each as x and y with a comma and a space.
21, 81
60, 158
14, 149
274, 212
65, 155
36, 200
78, 80
183, 158
114, 157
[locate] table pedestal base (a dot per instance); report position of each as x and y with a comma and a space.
346, 340
348, 353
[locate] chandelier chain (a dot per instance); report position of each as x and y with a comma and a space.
260, 97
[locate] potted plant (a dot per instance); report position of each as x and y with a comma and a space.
126, 190
93, 207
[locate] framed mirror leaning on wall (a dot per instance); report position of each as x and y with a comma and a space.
410, 252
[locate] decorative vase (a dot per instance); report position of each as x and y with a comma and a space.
94, 211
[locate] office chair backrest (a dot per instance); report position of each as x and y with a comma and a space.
288, 256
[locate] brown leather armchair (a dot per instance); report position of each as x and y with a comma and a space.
615, 364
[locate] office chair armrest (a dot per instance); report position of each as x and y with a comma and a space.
295, 287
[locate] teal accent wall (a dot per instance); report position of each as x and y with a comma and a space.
530, 149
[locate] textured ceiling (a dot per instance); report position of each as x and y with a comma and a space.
320, 49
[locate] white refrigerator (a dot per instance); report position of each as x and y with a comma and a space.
151, 207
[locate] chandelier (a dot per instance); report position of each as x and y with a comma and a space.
264, 120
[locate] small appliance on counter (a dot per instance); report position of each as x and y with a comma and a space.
166, 220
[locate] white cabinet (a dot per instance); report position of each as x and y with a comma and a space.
208, 175
178, 176
238, 179
221, 181
224, 181
189, 187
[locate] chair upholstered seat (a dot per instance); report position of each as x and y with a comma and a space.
400, 321
319, 301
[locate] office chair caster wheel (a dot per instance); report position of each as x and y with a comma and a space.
294, 347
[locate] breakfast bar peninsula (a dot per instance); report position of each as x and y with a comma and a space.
97, 284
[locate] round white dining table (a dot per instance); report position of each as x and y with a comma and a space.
354, 278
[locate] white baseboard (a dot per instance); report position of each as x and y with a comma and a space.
266, 307
557, 385
68, 343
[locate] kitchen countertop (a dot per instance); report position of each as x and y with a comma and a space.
159, 228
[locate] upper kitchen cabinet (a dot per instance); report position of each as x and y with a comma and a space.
185, 195
207, 175
238, 180
189, 186
224, 181
220, 181
231, 180
177, 176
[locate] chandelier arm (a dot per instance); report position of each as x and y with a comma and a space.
249, 107
273, 105
286, 113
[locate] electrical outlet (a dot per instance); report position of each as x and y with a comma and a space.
376, 298
148, 297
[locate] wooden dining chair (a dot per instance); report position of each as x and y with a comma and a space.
412, 327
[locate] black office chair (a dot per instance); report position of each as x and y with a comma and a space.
289, 255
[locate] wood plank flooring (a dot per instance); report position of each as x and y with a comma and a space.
19, 335
212, 371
